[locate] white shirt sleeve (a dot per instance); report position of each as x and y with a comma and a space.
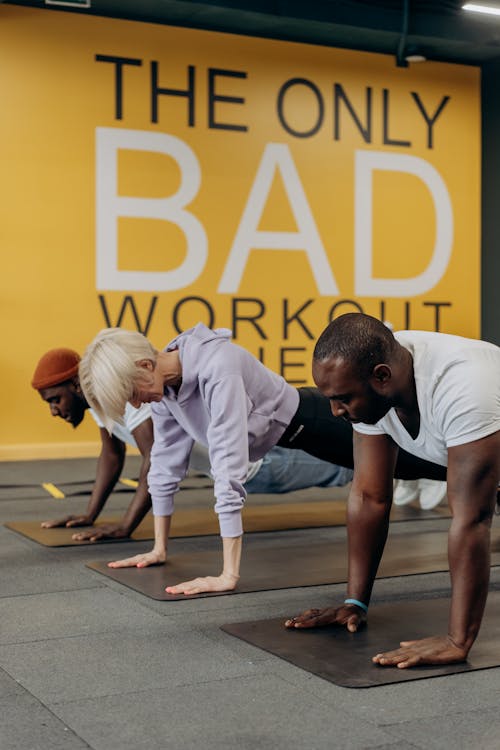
369, 429
134, 417
470, 409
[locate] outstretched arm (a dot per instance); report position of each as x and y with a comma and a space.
109, 466
473, 472
169, 460
227, 437
141, 501
368, 511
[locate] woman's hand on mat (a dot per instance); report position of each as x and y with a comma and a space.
67, 521
106, 531
434, 650
224, 582
155, 557
348, 614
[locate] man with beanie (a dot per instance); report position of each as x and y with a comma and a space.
56, 380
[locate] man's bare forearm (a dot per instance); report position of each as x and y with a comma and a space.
469, 558
368, 510
141, 502
109, 467
367, 527
473, 471
138, 508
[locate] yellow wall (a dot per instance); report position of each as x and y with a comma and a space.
98, 208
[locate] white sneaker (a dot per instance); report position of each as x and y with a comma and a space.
432, 493
405, 491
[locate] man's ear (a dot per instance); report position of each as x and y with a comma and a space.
75, 381
381, 375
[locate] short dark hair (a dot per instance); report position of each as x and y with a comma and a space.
360, 339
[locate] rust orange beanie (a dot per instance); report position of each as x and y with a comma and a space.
55, 367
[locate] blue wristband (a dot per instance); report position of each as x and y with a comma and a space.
357, 603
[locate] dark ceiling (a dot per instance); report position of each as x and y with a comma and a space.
439, 30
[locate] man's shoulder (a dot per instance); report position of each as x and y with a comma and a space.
433, 350
133, 417
94, 416
436, 339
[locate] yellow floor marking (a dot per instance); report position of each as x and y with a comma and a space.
53, 490
129, 482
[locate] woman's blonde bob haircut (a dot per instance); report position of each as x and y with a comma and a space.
110, 368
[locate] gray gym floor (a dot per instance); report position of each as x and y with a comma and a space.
87, 663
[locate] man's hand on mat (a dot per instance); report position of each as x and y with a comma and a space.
67, 521
141, 561
224, 582
106, 531
434, 650
348, 614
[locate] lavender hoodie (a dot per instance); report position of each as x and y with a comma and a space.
227, 401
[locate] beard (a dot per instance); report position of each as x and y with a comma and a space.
378, 408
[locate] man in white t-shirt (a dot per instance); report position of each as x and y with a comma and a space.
438, 397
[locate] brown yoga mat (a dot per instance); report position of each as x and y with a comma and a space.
287, 560
203, 521
345, 658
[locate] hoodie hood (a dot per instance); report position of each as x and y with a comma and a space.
193, 354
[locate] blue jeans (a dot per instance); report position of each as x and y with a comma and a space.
285, 470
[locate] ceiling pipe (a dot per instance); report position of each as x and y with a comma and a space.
401, 60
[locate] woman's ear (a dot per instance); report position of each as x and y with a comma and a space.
146, 364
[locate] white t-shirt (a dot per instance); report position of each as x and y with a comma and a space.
458, 394
131, 420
